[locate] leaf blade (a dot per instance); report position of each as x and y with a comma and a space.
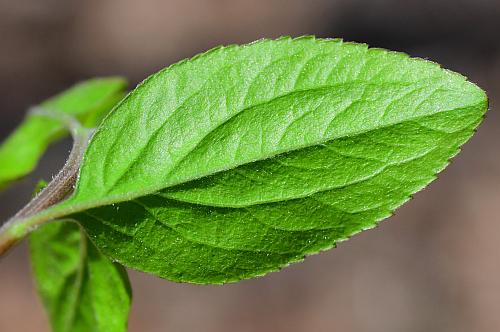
245, 159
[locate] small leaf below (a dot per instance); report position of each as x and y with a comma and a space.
81, 289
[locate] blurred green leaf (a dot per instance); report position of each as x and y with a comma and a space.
88, 101
81, 289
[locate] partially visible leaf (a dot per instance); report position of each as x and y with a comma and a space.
87, 101
247, 158
81, 289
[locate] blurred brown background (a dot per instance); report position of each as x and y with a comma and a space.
435, 266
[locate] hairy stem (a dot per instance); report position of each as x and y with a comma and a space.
61, 186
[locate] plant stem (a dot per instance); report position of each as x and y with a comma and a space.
61, 186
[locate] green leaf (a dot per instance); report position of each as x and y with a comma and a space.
87, 101
247, 158
81, 289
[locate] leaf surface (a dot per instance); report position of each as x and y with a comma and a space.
81, 289
247, 158
87, 101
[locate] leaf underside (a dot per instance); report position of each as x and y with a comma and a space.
80, 288
87, 101
246, 158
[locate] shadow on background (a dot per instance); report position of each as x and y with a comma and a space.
434, 267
